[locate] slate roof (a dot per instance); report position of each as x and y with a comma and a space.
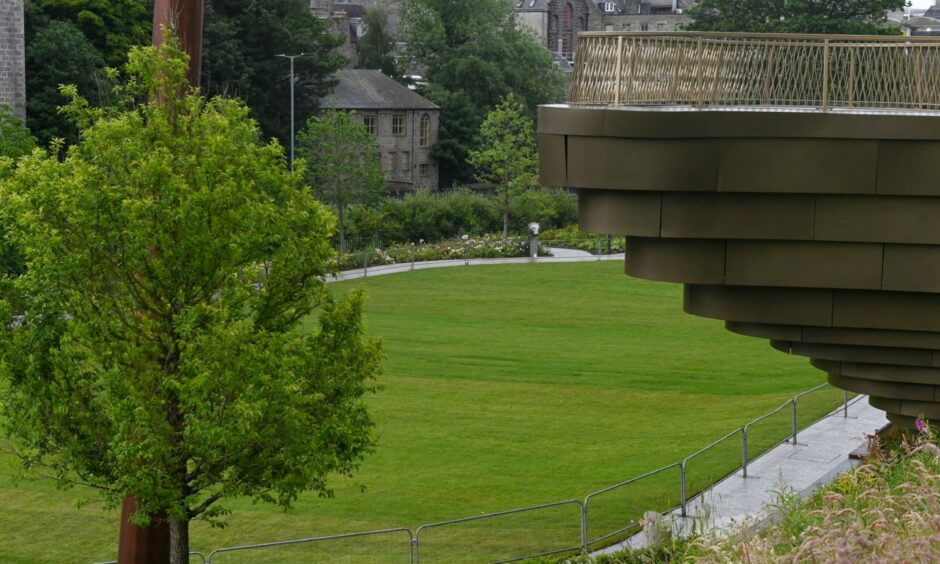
361, 89
531, 6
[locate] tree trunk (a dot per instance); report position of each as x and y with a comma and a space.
179, 542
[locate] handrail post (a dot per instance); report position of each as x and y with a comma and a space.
618, 83
845, 403
825, 85
682, 499
584, 527
919, 73
853, 51
415, 550
744, 451
794, 420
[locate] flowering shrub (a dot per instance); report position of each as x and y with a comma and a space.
571, 237
486, 246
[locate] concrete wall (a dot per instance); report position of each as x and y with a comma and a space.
12, 56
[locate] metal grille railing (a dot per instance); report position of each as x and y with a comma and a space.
738, 69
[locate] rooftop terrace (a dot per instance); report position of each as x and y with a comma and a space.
755, 71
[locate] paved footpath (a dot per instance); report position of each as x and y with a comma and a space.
561, 255
821, 452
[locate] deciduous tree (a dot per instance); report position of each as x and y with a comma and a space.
795, 16
375, 48
15, 139
476, 53
242, 39
506, 160
343, 163
155, 345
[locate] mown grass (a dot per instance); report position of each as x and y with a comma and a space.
505, 386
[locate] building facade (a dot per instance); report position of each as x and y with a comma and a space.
12, 57
405, 125
646, 15
556, 23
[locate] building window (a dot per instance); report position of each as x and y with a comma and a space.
644, 27
369, 123
424, 139
398, 124
610, 7
405, 160
392, 161
553, 34
423, 170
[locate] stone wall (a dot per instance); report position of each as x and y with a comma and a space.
12, 56
405, 161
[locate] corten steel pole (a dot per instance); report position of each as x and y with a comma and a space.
184, 17
151, 545
291, 57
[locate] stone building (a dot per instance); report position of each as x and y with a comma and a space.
645, 15
12, 57
405, 124
322, 8
556, 23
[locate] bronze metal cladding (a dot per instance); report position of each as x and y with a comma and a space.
785, 180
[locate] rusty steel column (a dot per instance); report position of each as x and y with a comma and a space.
151, 545
184, 17
142, 545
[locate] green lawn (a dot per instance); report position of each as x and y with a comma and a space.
505, 386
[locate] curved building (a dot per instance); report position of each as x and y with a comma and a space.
787, 181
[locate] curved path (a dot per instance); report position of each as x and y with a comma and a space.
559, 255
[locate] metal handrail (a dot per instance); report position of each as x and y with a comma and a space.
797, 397
311, 539
683, 502
587, 499
822, 72
585, 541
417, 535
747, 426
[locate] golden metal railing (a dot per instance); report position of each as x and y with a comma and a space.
740, 69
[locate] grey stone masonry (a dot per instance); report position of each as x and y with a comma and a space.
12, 57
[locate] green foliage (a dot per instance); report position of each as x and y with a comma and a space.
507, 159
476, 53
476, 358
375, 48
242, 39
15, 140
795, 16
435, 216
344, 163
112, 27
58, 53
171, 257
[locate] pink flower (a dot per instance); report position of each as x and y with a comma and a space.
921, 425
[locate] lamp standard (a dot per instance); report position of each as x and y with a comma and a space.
291, 57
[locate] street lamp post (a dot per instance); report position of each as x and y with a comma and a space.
291, 57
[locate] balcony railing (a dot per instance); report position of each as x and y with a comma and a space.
726, 69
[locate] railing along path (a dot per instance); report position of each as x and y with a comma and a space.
824, 72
